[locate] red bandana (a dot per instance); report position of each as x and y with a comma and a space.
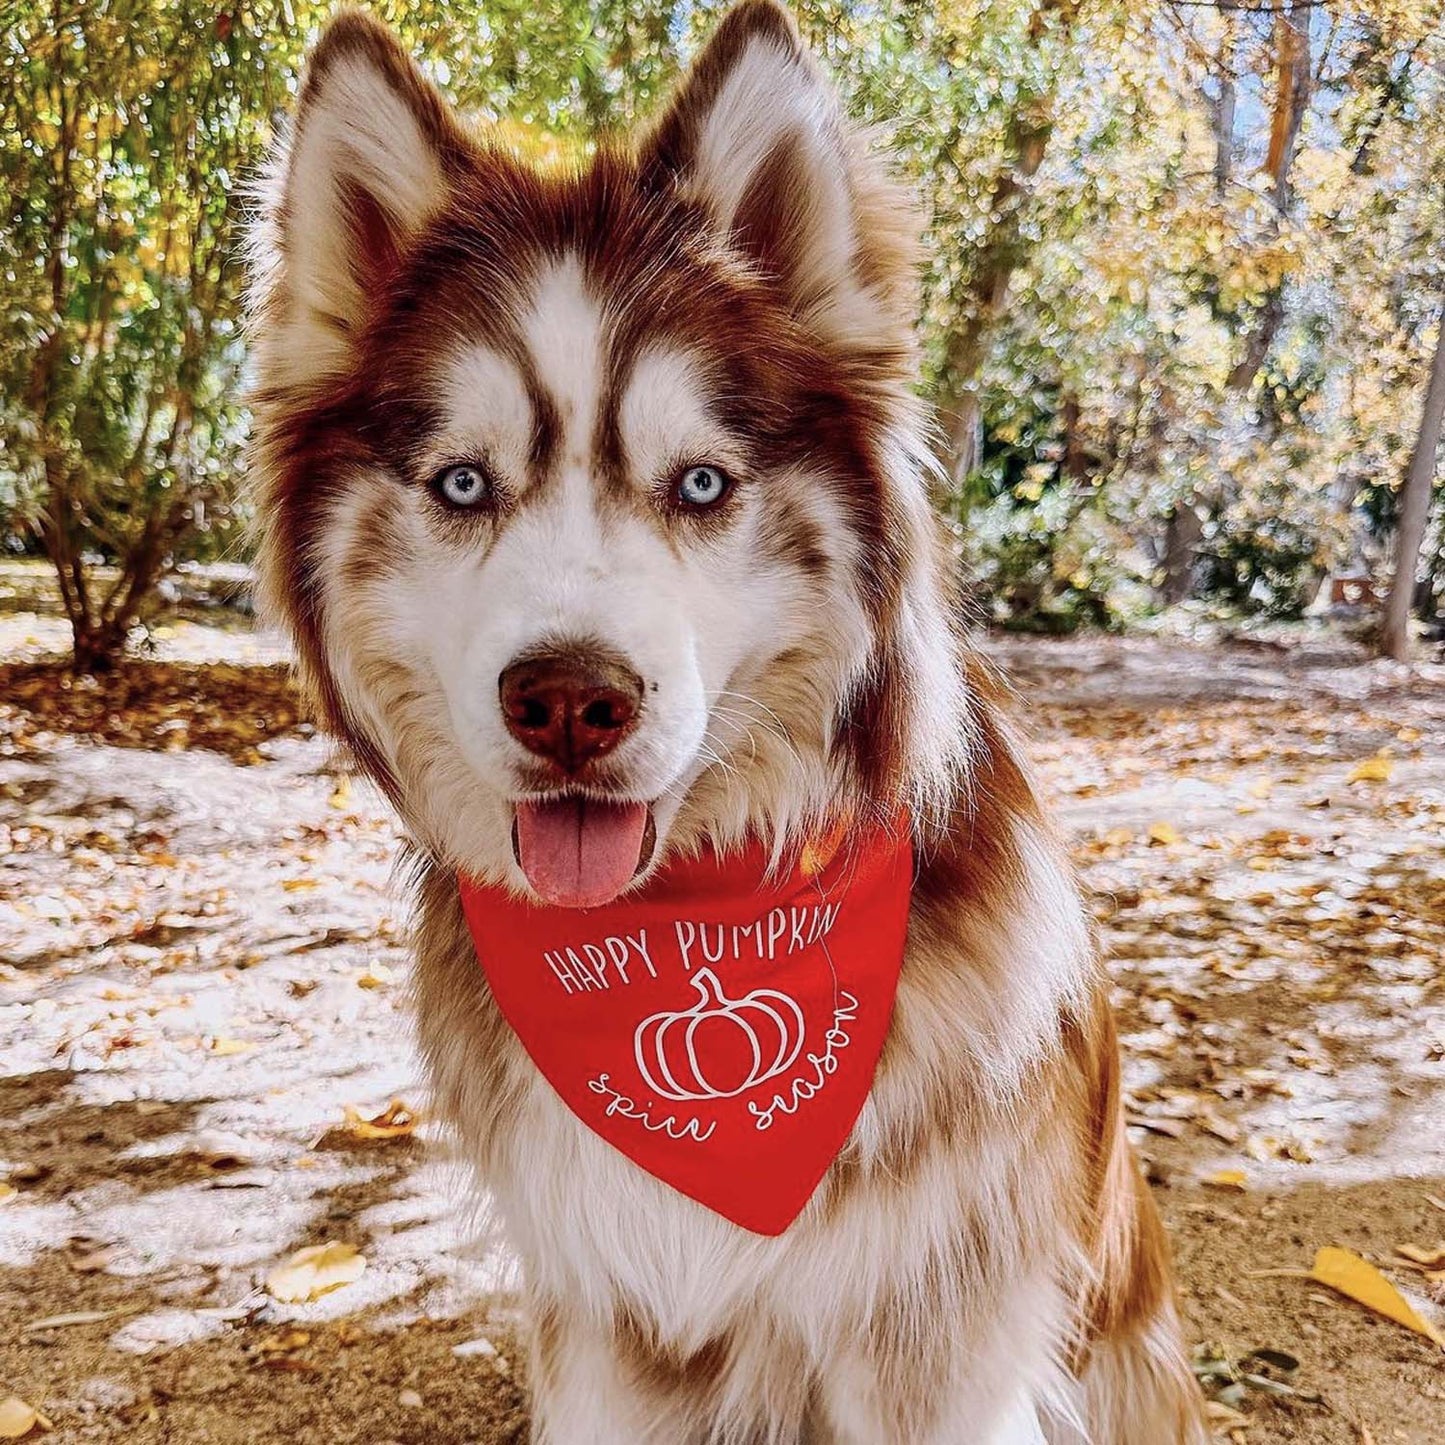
719, 1029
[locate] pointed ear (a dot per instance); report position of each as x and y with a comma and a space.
756, 136
370, 159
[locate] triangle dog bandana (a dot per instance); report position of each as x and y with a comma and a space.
719, 1027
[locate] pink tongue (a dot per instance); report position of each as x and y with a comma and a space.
577, 852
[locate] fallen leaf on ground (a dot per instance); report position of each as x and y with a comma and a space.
1357, 1279
1223, 1418
1170, 1128
7, 1190
93, 1261
17, 1419
1226, 1179
226, 1047
314, 1271
479, 1346
341, 793
1163, 833
288, 1364
1428, 1259
284, 1343
1220, 1127
1269, 1146
1372, 770
152, 704
395, 1121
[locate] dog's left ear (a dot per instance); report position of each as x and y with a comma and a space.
756, 136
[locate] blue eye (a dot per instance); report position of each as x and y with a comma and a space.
463, 485
702, 486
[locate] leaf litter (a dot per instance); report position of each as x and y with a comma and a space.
315, 1271
1274, 932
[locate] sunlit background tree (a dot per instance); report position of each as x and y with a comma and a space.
1186, 262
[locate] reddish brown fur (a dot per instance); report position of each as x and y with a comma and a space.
794, 396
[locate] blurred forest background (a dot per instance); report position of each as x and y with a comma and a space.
1182, 306
1181, 320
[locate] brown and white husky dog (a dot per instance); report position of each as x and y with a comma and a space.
643, 428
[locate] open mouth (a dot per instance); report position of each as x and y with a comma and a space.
580, 852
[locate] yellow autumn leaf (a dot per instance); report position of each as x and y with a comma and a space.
1432, 1259
300, 885
1346, 1272
1118, 837
284, 1343
396, 1121
1163, 833
341, 793
7, 1190
17, 1419
226, 1047
1227, 1179
1372, 770
314, 1271
1223, 1417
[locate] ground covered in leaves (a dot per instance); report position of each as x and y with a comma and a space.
223, 1220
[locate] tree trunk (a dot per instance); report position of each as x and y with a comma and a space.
1415, 510
1394, 86
1292, 89
1258, 342
1181, 546
96, 648
1293, 85
958, 407
999, 257
1075, 464
1185, 528
1223, 102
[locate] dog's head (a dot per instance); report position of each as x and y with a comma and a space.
593, 495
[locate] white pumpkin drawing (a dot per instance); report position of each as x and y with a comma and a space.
769, 1024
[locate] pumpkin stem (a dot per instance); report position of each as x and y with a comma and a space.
705, 981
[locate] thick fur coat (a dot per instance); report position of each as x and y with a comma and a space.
484, 393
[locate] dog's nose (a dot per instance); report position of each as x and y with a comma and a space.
570, 706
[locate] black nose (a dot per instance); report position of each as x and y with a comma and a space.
570, 705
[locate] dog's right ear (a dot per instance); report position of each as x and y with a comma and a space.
369, 160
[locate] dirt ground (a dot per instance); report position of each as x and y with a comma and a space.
202, 968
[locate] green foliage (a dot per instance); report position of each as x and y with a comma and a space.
1120, 313
1256, 351
125, 129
